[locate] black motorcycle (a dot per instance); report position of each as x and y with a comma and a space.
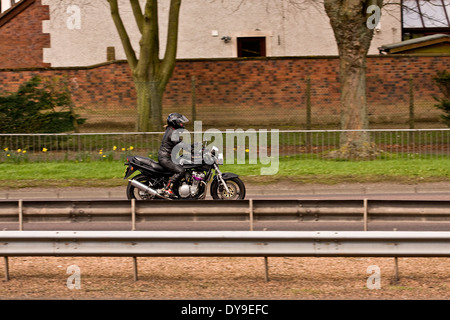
152, 178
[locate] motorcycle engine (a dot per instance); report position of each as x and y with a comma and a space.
184, 190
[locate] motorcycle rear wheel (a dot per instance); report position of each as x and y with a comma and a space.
136, 193
235, 186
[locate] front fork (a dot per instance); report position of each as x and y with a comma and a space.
219, 175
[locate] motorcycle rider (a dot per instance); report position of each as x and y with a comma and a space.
171, 139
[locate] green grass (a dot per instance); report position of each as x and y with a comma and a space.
332, 172
103, 173
62, 174
397, 167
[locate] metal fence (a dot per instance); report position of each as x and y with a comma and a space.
312, 144
245, 103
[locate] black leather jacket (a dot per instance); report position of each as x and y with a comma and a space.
170, 139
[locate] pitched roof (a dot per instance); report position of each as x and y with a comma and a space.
14, 11
414, 43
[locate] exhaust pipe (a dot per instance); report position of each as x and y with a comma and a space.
147, 189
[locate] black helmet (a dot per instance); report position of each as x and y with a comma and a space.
176, 120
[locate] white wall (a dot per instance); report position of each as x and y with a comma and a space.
81, 38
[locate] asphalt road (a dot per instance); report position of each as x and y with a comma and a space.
438, 190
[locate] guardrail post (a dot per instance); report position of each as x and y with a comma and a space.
365, 214
266, 265
133, 214
6, 269
396, 277
20, 214
6, 260
266, 259
133, 228
135, 269
251, 213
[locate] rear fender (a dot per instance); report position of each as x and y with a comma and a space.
128, 171
131, 168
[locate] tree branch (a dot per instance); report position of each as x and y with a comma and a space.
172, 41
138, 16
128, 48
149, 59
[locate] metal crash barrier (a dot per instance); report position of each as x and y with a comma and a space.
224, 244
251, 210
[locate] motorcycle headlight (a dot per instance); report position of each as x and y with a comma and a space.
220, 158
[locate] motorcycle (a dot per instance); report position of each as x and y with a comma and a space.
152, 178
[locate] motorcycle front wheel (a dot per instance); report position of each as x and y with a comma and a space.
235, 186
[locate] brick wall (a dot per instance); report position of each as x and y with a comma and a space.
255, 85
22, 40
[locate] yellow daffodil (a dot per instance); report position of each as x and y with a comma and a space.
131, 147
19, 150
6, 149
114, 148
44, 149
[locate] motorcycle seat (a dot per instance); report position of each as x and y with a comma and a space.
151, 163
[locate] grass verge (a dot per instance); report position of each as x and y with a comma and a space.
110, 174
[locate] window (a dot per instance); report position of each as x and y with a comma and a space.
251, 46
425, 17
6, 4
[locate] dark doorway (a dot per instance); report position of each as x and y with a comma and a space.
251, 46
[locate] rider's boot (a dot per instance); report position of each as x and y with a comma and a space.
168, 190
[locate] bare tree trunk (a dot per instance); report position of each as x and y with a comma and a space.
149, 105
348, 19
150, 73
143, 105
352, 74
156, 97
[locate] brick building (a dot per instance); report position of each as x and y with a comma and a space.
81, 33
38, 38
22, 40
